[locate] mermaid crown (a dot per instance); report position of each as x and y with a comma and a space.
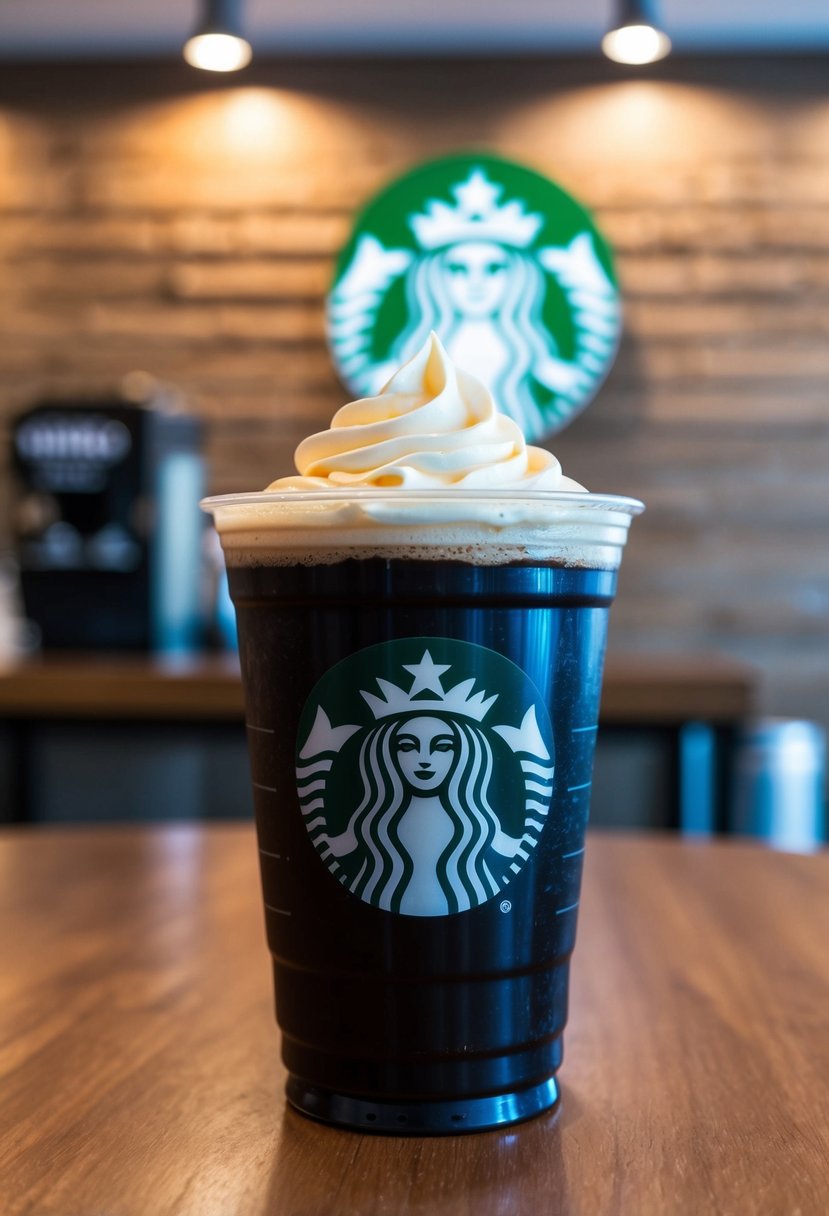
427, 678
477, 217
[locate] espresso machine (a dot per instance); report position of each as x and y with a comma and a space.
107, 524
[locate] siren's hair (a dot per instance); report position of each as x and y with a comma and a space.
520, 325
462, 870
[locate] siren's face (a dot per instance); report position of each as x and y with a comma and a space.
425, 750
476, 277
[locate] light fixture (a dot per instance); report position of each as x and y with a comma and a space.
218, 44
637, 38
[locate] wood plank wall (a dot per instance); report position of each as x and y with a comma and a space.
151, 218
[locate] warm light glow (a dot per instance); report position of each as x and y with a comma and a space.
217, 52
252, 121
646, 122
636, 44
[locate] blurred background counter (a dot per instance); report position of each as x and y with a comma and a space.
104, 737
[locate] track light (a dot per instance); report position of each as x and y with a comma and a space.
218, 44
637, 37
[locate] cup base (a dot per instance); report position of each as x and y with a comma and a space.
444, 1118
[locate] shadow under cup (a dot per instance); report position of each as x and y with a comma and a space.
422, 703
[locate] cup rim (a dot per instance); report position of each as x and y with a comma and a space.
578, 499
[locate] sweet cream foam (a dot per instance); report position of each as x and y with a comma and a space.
432, 427
429, 469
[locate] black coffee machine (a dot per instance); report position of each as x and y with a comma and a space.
107, 526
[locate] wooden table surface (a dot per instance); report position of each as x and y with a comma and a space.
140, 1071
655, 689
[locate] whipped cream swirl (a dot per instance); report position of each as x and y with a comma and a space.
433, 426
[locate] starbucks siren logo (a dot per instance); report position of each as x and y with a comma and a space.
507, 268
424, 773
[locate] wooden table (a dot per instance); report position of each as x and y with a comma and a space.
139, 1058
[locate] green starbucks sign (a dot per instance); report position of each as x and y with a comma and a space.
507, 268
424, 771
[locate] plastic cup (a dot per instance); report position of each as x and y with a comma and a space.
422, 675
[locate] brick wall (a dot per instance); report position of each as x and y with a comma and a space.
150, 218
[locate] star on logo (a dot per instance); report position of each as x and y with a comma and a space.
477, 196
427, 675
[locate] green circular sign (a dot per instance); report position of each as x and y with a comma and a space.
424, 773
507, 268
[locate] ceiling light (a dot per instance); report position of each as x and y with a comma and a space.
218, 44
637, 37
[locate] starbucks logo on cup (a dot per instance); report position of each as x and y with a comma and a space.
424, 774
508, 269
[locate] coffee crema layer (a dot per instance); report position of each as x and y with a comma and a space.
473, 526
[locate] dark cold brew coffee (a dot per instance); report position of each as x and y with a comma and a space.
421, 736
